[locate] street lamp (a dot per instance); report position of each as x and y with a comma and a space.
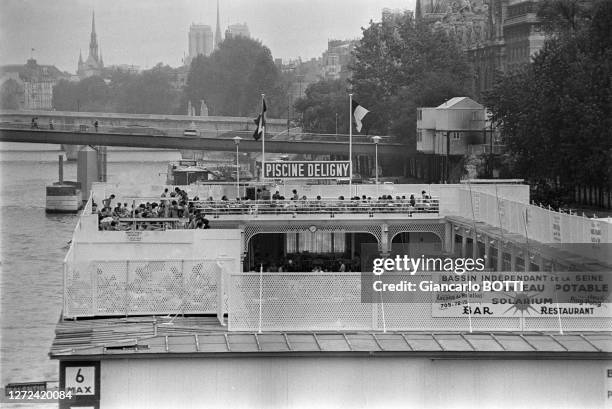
336, 126
376, 139
237, 140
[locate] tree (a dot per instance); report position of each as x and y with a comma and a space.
556, 114
233, 78
563, 17
90, 94
324, 100
402, 65
149, 92
11, 93
65, 96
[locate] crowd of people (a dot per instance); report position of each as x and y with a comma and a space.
339, 263
175, 209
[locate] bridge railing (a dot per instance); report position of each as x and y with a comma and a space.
183, 131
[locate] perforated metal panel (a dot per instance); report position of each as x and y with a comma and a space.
298, 302
332, 301
417, 317
78, 295
154, 287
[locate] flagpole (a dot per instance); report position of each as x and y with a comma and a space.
263, 138
350, 146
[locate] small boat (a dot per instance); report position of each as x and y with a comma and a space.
63, 196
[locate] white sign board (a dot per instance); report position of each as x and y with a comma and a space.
81, 380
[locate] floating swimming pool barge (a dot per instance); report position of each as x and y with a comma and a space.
152, 306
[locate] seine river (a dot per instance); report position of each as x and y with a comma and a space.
33, 247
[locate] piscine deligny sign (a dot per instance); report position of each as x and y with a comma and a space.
307, 170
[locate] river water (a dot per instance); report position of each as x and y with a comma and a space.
33, 245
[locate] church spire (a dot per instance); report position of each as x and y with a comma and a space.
418, 12
218, 38
93, 41
80, 63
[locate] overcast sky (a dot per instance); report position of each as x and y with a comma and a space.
145, 32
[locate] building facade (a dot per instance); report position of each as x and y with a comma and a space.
31, 84
200, 41
336, 59
451, 128
93, 65
497, 35
235, 30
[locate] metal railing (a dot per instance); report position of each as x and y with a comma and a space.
174, 218
295, 207
332, 302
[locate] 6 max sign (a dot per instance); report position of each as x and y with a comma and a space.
80, 380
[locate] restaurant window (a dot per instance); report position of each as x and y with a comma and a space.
317, 242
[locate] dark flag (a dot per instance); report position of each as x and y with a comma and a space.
260, 122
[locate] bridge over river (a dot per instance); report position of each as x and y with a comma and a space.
167, 132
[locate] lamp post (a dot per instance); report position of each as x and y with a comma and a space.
376, 139
237, 140
336, 126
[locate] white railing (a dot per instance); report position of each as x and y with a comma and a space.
279, 207
538, 223
143, 287
577, 234
174, 217
332, 302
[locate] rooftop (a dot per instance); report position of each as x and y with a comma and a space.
202, 336
460, 103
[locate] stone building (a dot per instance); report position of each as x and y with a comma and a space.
497, 35
235, 30
336, 59
30, 85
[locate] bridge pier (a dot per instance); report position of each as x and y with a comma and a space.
91, 167
87, 170
101, 162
